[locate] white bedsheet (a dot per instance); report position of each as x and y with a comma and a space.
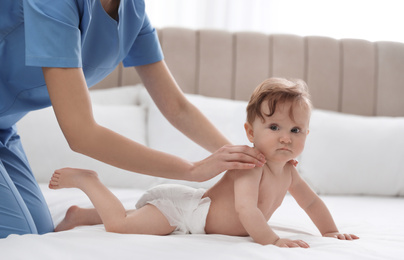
377, 220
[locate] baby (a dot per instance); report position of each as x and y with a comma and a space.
241, 202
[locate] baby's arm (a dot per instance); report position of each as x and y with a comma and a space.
315, 208
246, 191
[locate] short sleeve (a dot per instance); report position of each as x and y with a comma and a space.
52, 35
146, 49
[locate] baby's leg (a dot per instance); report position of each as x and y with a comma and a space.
109, 208
76, 216
147, 220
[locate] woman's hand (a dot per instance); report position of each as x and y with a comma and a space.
228, 157
341, 236
294, 162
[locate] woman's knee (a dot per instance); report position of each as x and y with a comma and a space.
30, 213
15, 217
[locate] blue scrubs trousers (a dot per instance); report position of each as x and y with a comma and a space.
23, 209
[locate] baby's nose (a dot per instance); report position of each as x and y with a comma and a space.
285, 139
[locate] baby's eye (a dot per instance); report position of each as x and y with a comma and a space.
274, 127
295, 130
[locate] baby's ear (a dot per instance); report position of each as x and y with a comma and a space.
249, 131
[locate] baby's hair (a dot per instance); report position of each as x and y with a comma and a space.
275, 91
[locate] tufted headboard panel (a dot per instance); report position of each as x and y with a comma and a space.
348, 75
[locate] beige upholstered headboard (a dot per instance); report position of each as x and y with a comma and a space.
348, 75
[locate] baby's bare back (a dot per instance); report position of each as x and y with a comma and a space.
223, 218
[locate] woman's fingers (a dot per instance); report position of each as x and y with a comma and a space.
242, 153
294, 162
228, 157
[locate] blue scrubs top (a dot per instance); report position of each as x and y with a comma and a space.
68, 33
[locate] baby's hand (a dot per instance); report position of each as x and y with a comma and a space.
341, 236
291, 243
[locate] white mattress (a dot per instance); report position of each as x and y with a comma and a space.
377, 220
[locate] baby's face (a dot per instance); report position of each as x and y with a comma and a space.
279, 137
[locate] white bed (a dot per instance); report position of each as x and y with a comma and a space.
377, 220
353, 156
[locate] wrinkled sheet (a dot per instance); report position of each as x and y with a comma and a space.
377, 220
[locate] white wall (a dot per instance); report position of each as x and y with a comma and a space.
373, 20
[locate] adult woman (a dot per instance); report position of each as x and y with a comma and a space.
50, 53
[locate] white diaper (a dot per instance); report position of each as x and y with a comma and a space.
183, 206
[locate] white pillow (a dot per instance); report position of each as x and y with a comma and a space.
126, 95
349, 154
47, 149
227, 115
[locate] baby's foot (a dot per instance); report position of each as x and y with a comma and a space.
71, 178
70, 220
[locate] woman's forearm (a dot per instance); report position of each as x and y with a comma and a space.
177, 109
200, 129
107, 146
72, 105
